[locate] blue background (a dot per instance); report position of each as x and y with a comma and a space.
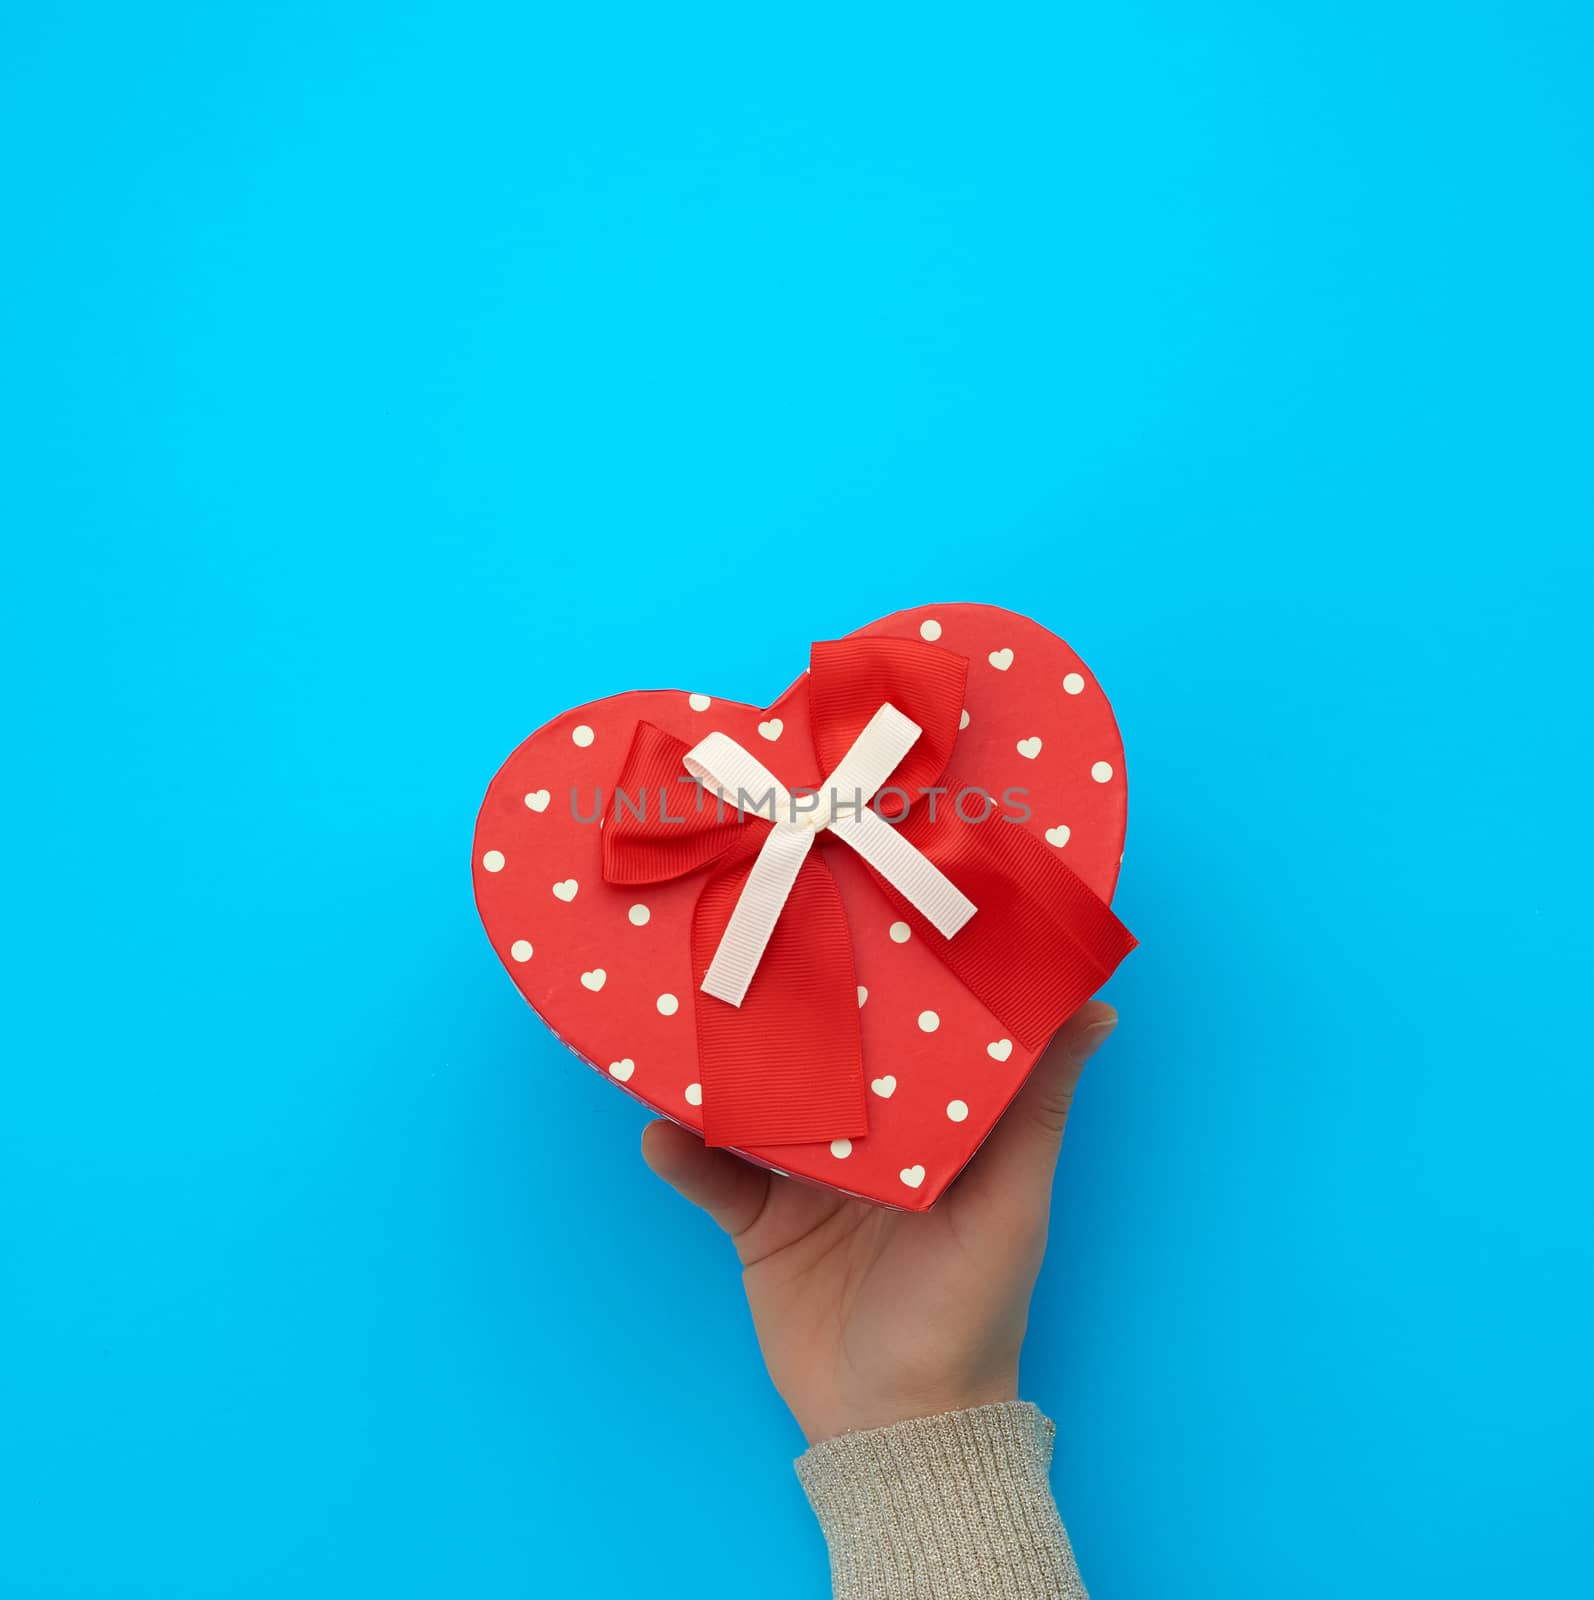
382, 380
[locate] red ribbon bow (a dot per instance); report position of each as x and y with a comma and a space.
786, 1067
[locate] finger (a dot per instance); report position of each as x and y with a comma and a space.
731, 1191
1018, 1160
1044, 1102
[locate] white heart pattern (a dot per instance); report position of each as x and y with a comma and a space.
949, 1101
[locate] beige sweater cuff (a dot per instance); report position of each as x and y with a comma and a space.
955, 1507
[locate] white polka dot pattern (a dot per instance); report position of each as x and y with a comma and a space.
613, 974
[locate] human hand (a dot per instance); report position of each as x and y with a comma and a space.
867, 1316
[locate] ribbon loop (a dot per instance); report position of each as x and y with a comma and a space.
720, 763
872, 757
736, 775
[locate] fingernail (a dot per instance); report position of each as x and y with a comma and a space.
1096, 1034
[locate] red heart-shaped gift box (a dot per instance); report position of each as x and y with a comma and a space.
610, 967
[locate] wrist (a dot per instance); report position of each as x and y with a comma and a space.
886, 1407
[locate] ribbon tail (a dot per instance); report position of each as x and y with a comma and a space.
786, 1066
757, 914
907, 870
1043, 943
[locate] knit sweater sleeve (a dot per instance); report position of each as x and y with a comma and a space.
954, 1507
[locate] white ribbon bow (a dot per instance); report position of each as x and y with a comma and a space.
841, 804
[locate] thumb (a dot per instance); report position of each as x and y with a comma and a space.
1049, 1092
731, 1191
1020, 1156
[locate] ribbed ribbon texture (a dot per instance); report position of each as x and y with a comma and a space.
786, 1066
